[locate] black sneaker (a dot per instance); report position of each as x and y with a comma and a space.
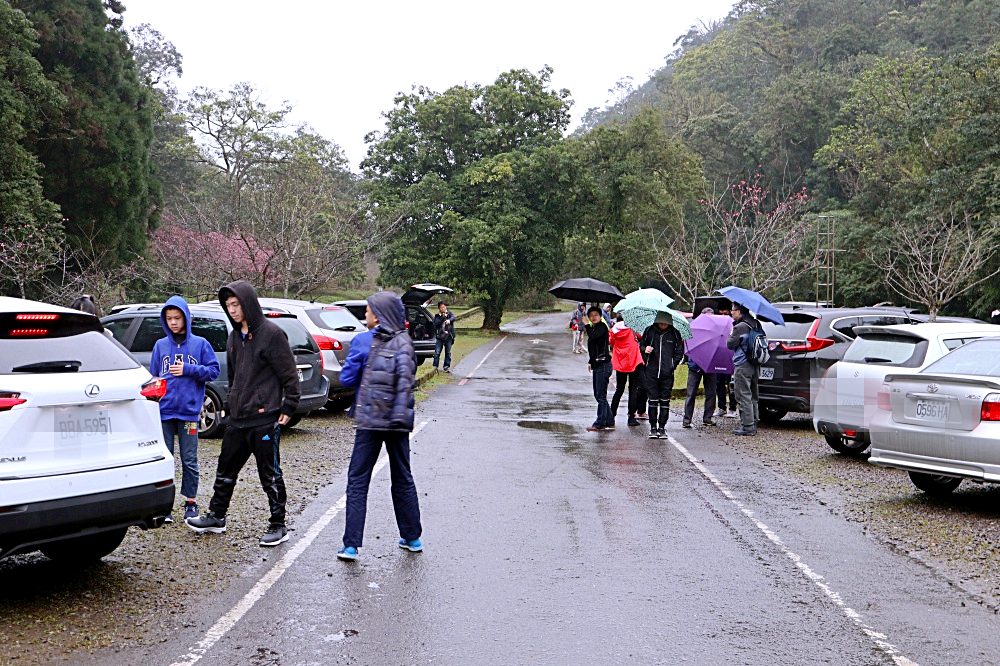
686, 424
168, 519
274, 535
632, 422
661, 433
709, 422
654, 433
207, 523
745, 432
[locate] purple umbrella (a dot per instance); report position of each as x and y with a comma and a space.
707, 346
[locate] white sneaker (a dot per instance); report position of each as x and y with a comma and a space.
720, 413
732, 415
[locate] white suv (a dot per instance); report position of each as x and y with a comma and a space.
82, 456
845, 398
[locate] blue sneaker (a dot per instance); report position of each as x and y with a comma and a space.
413, 546
190, 510
348, 554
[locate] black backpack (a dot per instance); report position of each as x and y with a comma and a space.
757, 347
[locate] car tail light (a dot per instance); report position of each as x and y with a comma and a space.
327, 343
850, 433
9, 400
990, 410
28, 332
154, 389
36, 316
811, 343
883, 400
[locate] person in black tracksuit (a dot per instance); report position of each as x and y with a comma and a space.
263, 395
663, 349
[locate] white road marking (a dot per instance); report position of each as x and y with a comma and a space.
488, 354
877, 637
225, 623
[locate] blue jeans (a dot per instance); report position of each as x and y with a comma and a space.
445, 344
189, 453
367, 446
602, 376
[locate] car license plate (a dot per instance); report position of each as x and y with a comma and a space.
765, 373
932, 410
75, 426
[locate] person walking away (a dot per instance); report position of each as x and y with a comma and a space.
599, 348
188, 363
626, 361
745, 374
444, 335
381, 367
698, 376
663, 350
85, 303
263, 395
577, 324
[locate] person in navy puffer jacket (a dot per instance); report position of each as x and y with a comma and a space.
187, 362
381, 366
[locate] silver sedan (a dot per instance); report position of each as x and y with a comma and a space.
942, 424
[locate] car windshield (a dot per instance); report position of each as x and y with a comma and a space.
84, 352
979, 357
884, 349
298, 336
796, 327
334, 319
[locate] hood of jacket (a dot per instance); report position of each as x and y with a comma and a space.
247, 296
389, 309
179, 303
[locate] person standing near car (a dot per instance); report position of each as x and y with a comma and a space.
444, 335
745, 374
698, 376
663, 350
381, 366
188, 363
599, 348
263, 395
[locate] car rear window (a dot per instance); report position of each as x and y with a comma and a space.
41, 343
796, 327
978, 357
334, 319
298, 336
213, 330
901, 351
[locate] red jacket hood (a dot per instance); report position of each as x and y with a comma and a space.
625, 356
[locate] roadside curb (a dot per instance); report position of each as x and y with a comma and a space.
468, 313
425, 378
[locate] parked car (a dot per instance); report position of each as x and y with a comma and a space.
942, 424
811, 341
138, 328
844, 399
82, 456
333, 327
419, 321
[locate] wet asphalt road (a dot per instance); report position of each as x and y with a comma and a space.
548, 544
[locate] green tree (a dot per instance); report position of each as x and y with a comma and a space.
96, 150
29, 224
481, 183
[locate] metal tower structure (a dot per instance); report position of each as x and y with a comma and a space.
826, 258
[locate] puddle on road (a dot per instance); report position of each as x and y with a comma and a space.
549, 426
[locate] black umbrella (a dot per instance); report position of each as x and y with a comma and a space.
587, 290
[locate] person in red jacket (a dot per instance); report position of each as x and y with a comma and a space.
626, 360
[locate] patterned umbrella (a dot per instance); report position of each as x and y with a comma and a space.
639, 319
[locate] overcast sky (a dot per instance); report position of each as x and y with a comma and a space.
341, 63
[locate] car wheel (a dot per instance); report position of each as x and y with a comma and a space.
85, 548
294, 421
339, 403
935, 484
210, 422
770, 416
846, 445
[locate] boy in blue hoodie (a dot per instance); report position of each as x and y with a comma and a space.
187, 362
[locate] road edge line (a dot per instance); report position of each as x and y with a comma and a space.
877, 637
230, 619
469, 376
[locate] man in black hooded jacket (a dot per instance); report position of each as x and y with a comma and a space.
662, 349
263, 395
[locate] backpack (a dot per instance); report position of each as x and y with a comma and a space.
757, 351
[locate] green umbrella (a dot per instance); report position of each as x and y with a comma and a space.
651, 299
639, 319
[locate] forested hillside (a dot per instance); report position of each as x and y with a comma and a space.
885, 111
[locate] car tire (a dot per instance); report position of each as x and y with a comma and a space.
294, 421
339, 403
210, 421
85, 549
846, 446
770, 416
935, 484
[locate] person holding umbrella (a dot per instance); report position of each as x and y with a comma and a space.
697, 375
599, 348
745, 374
663, 350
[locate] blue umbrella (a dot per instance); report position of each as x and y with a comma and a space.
755, 302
